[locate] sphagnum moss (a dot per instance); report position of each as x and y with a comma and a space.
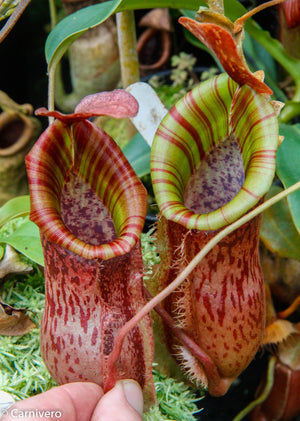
22, 371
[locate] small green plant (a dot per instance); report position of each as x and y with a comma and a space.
182, 73
182, 76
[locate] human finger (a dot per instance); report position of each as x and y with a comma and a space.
69, 402
122, 403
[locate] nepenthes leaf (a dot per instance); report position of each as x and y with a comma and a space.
71, 27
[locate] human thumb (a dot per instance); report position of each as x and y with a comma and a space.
123, 402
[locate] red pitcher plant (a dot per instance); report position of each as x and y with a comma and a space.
212, 160
90, 207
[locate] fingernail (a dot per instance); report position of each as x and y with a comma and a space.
133, 394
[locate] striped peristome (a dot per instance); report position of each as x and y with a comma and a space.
210, 113
83, 148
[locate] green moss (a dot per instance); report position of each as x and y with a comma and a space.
150, 255
176, 401
22, 371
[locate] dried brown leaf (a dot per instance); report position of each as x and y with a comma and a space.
14, 321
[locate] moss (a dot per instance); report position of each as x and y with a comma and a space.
176, 401
22, 371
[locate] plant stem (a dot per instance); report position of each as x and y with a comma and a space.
240, 22
264, 394
130, 71
127, 48
53, 14
113, 357
210, 367
52, 71
290, 310
51, 84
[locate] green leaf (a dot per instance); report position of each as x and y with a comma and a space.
70, 28
287, 166
258, 58
14, 208
1, 252
278, 232
74, 25
26, 239
290, 111
137, 151
273, 46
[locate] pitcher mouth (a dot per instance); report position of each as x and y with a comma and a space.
217, 179
197, 125
16, 131
102, 167
72, 144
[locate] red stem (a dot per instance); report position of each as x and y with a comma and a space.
208, 364
13, 18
